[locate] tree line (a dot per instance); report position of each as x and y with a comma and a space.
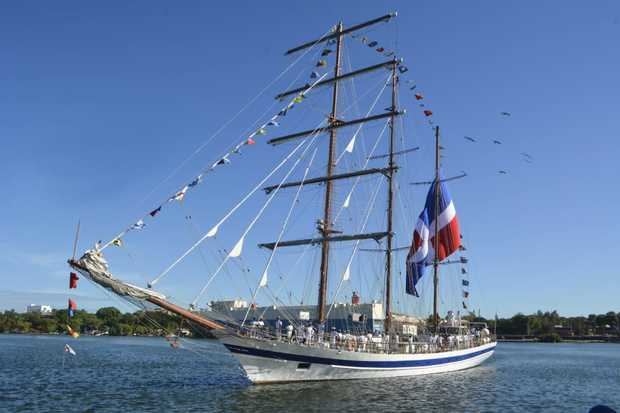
107, 320
550, 322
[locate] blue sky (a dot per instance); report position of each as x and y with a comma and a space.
100, 103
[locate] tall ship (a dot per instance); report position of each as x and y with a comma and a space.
338, 336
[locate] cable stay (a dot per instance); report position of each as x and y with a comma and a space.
213, 231
264, 277
347, 200
351, 144
346, 275
237, 249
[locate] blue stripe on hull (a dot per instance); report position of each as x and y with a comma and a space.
353, 363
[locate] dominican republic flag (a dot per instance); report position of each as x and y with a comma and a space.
422, 252
71, 308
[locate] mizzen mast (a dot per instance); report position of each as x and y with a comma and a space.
436, 235
390, 232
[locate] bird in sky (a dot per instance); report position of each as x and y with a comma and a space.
505, 113
495, 141
469, 138
502, 172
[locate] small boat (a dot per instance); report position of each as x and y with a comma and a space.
306, 344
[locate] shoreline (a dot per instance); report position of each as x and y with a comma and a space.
611, 340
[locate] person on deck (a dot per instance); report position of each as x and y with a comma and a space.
278, 329
385, 338
309, 334
289, 332
321, 333
260, 330
332, 337
300, 334
362, 341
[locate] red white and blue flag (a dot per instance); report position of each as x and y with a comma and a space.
71, 308
422, 251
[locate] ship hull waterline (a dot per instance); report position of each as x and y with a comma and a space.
278, 362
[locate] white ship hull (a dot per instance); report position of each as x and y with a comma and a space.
268, 362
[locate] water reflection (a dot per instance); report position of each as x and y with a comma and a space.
146, 375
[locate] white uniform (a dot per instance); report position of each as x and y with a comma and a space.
332, 338
310, 334
278, 329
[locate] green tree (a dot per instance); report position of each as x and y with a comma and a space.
108, 314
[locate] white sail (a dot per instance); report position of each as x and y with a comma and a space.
236, 251
351, 144
213, 231
347, 201
347, 273
263, 280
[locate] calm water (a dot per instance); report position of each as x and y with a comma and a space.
146, 375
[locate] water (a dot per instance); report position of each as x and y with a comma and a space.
145, 375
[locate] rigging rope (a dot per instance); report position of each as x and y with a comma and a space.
229, 121
372, 151
214, 230
346, 273
180, 194
263, 280
350, 145
236, 251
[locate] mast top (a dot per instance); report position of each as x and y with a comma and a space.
335, 34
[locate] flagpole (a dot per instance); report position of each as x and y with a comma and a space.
436, 235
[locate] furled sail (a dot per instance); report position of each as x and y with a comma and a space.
94, 266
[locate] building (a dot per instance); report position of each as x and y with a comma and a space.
39, 309
355, 317
563, 331
228, 305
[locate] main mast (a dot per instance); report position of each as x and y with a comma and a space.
331, 164
326, 231
436, 235
390, 234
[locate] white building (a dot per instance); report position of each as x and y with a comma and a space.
39, 309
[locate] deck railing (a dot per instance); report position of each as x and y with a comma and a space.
375, 344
